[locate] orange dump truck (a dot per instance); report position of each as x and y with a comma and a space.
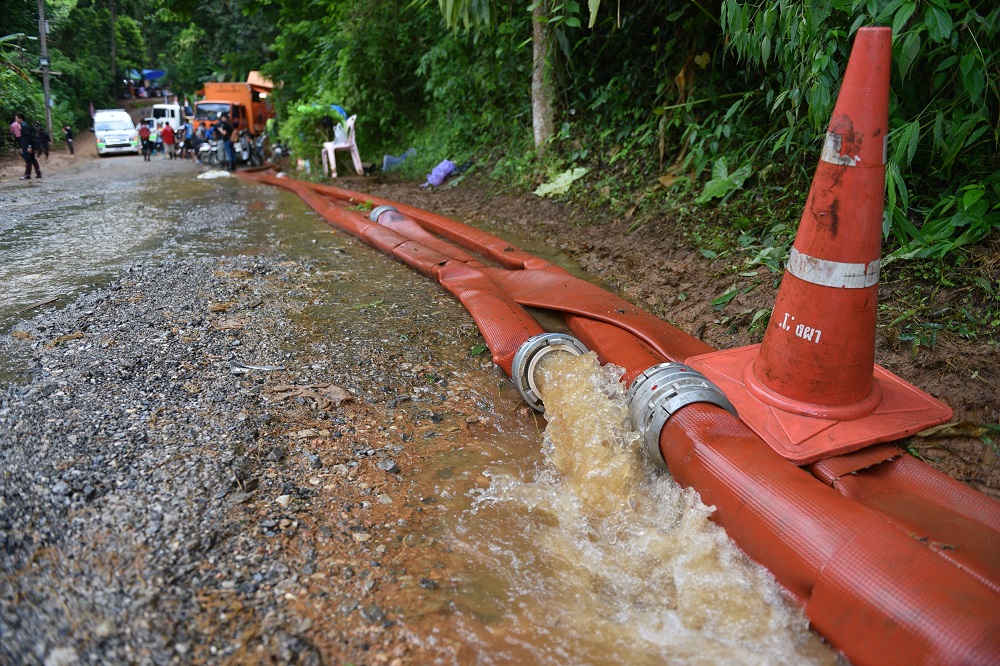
247, 104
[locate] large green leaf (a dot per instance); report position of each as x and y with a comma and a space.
938, 22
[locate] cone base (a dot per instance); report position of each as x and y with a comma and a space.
843, 412
804, 433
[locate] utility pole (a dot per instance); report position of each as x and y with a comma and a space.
114, 49
43, 64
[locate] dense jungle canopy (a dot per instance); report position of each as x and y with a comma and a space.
711, 105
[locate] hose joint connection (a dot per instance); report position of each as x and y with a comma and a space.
378, 210
660, 392
530, 353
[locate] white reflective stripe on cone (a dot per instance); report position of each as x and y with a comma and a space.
832, 145
833, 273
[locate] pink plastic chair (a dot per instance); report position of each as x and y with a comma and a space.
347, 142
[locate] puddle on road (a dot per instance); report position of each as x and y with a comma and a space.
556, 549
75, 231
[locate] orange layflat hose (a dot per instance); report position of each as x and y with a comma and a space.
892, 563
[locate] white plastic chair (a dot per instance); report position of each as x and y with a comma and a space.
344, 143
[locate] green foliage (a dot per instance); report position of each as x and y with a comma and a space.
18, 96
12, 53
960, 296
376, 70
943, 136
197, 42
130, 44
956, 220
469, 108
308, 125
644, 89
723, 184
19, 93
481, 15
467, 14
84, 66
79, 48
363, 55
188, 67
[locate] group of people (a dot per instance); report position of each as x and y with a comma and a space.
137, 90
34, 140
184, 142
164, 138
174, 143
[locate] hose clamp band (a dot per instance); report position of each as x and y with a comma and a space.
526, 362
660, 392
373, 216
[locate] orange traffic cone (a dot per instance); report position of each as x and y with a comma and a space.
820, 346
812, 388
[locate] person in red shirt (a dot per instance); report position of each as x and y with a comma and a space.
144, 137
167, 134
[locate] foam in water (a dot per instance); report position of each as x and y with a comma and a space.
608, 561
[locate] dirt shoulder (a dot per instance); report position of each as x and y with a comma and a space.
84, 147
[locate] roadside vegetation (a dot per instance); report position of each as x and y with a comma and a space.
710, 113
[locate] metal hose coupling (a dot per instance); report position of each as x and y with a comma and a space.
378, 210
526, 361
659, 392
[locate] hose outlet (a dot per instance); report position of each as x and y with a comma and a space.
526, 363
373, 216
661, 391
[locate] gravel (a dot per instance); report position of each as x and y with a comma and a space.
123, 447
153, 506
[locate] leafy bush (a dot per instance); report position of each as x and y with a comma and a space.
943, 165
470, 109
363, 55
308, 125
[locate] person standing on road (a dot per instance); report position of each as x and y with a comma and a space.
146, 143
42, 141
200, 137
188, 152
15, 131
26, 141
68, 134
168, 140
225, 130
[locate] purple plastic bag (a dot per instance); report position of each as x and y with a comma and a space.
439, 173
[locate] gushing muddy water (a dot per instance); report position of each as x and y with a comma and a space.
560, 544
589, 556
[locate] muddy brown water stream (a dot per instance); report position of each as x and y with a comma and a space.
561, 546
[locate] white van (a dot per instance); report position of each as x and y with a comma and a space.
167, 113
115, 132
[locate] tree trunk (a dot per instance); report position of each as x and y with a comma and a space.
542, 92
